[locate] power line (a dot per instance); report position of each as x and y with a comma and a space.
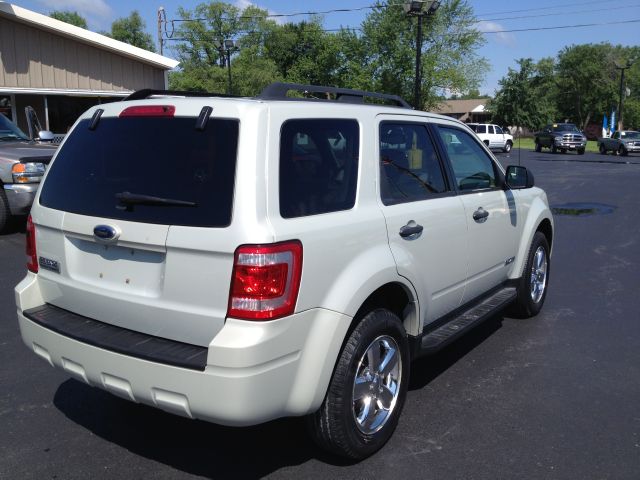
563, 26
580, 4
617, 7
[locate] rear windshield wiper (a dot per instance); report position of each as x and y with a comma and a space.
128, 199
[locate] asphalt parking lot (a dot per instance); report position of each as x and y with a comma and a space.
553, 397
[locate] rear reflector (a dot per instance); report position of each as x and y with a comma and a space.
265, 281
149, 111
32, 256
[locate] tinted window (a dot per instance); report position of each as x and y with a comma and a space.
481, 129
409, 167
473, 168
565, 127
499, 130
161, 157
318, 166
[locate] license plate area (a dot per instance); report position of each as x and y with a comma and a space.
113, 267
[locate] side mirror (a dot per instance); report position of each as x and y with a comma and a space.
45, 136
519, 177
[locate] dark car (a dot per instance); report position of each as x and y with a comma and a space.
561, 137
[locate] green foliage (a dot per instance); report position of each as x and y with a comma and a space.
74, 18
131, 30
381, 58
525, 95
580, 86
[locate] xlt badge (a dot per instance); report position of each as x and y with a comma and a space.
49, 264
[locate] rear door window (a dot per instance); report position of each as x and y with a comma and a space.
318, 166
166, 158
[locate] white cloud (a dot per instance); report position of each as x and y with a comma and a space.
242, 4
87, 8
501, 37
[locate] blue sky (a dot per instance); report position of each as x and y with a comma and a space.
501, 49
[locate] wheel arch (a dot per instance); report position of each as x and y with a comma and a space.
539, 219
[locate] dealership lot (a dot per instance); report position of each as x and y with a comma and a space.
555, 396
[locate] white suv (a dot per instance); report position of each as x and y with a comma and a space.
239, 260
493, 136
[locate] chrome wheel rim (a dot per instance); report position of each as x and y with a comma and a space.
376, 385
538, 274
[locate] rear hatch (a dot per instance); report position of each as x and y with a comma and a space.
137, 236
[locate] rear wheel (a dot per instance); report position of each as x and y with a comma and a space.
5, 213
508, 146
602, 149
367, 391
532, 289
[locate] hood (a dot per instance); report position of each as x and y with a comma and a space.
17, 150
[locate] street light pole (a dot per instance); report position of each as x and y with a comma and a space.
621, 100
225, 48
416, 8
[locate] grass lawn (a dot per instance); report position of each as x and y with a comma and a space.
527, 144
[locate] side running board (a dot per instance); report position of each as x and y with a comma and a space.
467, 319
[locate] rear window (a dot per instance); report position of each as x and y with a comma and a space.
166, 158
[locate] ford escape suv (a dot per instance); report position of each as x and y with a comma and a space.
238, 260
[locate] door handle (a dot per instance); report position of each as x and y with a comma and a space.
480, 215
411, 229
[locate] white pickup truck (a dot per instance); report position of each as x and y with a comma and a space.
493, 136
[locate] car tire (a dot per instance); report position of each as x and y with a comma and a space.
581, 151
533, 285
602, 149
347, 426
554, 149
622, 151
538, 147
508, 146
5, 213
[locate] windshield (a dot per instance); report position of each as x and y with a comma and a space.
630, 134
565, 127
9, 130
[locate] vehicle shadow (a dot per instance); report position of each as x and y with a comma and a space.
15, 225
191, 446
426, 369
215, 451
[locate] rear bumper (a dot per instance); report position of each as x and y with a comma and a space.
254, 372
20, 197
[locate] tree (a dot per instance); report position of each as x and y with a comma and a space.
385, 60
131, 30
525, 95
74, 18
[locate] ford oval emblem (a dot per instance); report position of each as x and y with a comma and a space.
106, 233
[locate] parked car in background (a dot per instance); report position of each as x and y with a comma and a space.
622, 142
561, 137
22, 165
493, 136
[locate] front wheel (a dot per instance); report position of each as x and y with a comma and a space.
532, 289
367, 391
538, 147
553, 148
581, 151
507, 146
622, 151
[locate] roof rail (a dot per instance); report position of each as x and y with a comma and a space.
278, 91
148, 92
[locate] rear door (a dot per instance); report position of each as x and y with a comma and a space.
144, 241
493, 224
426, 223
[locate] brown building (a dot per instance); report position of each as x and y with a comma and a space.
61, 70
468, 111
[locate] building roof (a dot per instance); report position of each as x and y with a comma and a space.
449, 107
85, 36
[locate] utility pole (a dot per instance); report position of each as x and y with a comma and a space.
416, 8
621, 100
226, 47
162, 16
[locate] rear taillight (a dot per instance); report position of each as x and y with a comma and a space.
32, 256
149, 111
265, 281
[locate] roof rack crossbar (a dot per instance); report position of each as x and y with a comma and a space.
149, 92
278, 91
